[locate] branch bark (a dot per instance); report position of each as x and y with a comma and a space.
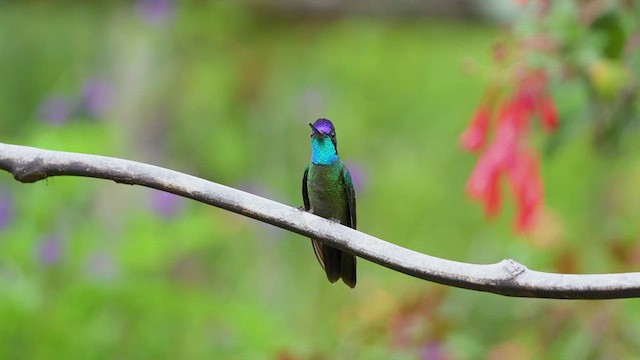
508, 277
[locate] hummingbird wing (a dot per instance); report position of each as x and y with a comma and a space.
348, 261
317, 246
347, 185
305, 192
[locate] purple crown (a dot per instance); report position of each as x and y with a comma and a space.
324, 126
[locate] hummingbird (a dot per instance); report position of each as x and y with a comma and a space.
327, 191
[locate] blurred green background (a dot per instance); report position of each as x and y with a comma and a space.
90, 269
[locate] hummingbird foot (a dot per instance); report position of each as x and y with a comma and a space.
301, 208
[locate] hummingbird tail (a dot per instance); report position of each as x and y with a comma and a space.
329, 259
336, 264
332, 263
348, 267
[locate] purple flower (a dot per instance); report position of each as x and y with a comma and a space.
96, 96
49, 250
155, 12
165, 204
55, 110
432, 351
7, 207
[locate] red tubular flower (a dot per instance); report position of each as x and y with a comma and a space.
548, 113
484, 183
493, 196
507, 155
526, 184
525, 100
480, 178
475, 135
521, 107
505, 141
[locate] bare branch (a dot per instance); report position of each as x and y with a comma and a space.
508, 277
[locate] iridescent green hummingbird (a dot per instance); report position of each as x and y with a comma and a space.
327, 191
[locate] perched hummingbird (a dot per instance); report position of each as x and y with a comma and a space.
327, 191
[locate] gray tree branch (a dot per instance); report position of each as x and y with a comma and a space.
508, 277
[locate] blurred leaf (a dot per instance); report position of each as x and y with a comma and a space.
610, 25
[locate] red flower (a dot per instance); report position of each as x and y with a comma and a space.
507, 155
526, 184
508, 132
484, 183
548, 113
475, 135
